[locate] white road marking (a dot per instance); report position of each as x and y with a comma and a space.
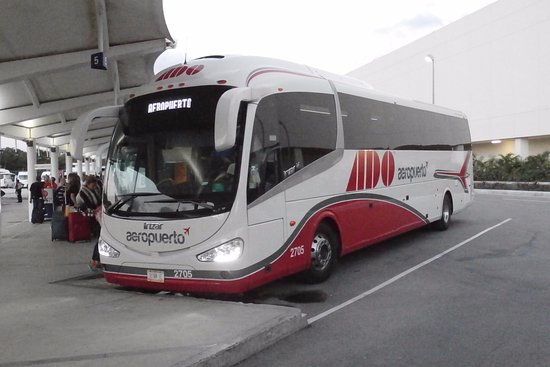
401, 275
529, 200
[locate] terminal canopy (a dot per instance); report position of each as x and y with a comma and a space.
46, 79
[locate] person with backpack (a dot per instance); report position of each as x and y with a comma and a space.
37, 199
89, 198
59, 193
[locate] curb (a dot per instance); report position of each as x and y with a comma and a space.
542, 194
245, 346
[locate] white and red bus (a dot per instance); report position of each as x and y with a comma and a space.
230, 172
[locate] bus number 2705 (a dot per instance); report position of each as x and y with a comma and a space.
186, 274
297, 251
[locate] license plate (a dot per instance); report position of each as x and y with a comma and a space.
155, 276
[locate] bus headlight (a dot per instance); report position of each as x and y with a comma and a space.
229, 251
107, 250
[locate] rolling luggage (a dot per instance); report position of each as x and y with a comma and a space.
48, 211
79, 228
59, 226
38, 212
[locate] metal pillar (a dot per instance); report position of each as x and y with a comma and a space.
87, 165
31, 161
431, 59
31, 168
54, 163
79, 168
68, 163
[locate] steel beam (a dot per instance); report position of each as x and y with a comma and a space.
44, 131
14, 115
16, 132
27, 68
31, 92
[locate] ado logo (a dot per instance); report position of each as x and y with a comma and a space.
368, 169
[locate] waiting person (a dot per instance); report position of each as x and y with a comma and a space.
72, 188
89, 198
95, 263
35, 192
47, 182
53, 183
59, 193
18, 188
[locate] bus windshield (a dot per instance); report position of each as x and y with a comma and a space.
162, 159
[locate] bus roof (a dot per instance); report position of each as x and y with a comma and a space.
247, 71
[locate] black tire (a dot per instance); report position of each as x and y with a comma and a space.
446, 213
324, 253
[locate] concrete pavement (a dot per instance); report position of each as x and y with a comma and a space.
55, 312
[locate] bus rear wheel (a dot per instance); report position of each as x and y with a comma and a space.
324, 252
446, 212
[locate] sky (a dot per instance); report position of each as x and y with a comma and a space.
336, 36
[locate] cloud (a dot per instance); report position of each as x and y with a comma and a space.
419, 22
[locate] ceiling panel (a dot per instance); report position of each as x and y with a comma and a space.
45, 48
13, 94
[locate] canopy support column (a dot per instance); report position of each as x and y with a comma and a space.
31, 168
54, 163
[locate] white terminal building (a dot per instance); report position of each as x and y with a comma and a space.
493, 65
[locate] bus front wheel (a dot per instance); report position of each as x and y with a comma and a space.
324, 252
446, 212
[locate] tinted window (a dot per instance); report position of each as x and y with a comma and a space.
162, 158
169, 110
291, 130
370, 124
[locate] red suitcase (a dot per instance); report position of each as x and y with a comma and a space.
79, 227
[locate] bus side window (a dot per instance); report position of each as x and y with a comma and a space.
291, 130
272, 170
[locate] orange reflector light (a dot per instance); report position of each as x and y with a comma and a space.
223, 81
292, 223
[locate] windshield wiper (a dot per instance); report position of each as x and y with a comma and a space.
126, 198
185, 201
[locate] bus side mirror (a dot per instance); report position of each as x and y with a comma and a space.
83, 122
227, 112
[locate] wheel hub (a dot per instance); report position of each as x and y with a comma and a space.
321, 252
446, 215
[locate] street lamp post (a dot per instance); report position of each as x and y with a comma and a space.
431, 59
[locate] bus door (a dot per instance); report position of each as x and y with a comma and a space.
291, 132
266, 201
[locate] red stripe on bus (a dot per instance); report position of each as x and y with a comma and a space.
174, 72
388, 168
352, 183
361, 168
182, 70
373, 169
163, 75
360, 222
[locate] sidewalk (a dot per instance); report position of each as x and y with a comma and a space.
55, 312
